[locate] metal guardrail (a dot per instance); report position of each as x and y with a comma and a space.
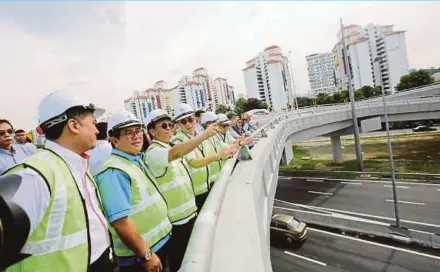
198, 256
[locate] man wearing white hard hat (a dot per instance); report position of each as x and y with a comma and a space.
173, 179
208, 119
198, 116
102, 150
133, 205
202, 162
68, 229
225, 137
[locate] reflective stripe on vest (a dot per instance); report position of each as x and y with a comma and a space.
214, 167
176, 187
199, 176
60, 241
149, 209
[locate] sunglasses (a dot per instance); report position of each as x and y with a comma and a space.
187, 120
8, 131
166, 126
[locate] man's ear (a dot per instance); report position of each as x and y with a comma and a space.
114, 140
73, 126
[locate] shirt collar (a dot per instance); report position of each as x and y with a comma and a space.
75, 161
130, 157
10, 152
161, 143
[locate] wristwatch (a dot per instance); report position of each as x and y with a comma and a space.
147, 255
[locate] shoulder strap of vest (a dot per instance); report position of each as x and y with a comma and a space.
24, 165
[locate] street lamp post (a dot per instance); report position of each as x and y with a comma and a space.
295, 102
357, 140
390, 148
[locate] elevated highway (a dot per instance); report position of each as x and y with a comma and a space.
231, 232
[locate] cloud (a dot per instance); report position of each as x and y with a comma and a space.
107, 50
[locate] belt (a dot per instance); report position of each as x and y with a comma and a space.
105, 263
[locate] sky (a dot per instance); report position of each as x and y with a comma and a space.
106, 50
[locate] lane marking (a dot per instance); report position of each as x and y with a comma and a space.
305, 258
320, 193
284, 177
377, 244
351, 183
359, 214
398, 186
406, 202
315, 180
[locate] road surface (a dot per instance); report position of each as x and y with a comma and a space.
419, 204
326, 251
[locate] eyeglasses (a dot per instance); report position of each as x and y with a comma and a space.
132, 133
187, 120
225, 126
8, 131
166, 126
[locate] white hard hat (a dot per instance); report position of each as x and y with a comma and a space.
122, 119
223, 119
53, 107
157, 115
182, 111
103, 119
208, 116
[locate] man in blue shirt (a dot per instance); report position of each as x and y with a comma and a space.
10, 153
132, 204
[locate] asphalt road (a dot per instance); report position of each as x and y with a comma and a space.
419, 204
329, 252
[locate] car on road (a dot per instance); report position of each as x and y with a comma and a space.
423, 128
287, 228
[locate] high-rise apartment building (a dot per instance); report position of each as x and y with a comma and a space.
223, 92
190, 92
267, 78
201, 76
377, 56
199, 91
321, 73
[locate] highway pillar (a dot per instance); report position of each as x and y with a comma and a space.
336, 148
287, 153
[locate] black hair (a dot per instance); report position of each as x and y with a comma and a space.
198, 113
20, 131
7, 122
102, 128
54, 132
146, 142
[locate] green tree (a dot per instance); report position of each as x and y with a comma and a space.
322, 98
221, 109
367, 91
239, 106
338, 98
415, 79
304, 101
358, 94
252, 104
